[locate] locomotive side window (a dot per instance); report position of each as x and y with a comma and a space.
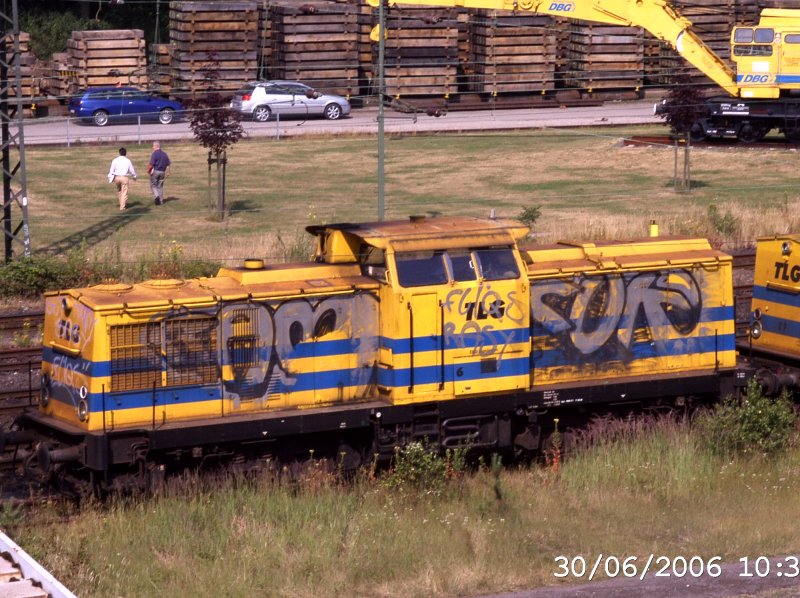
791, 38
135, 356
373, 262
421, 268
752, 50
191, 350
462, 266
497, 263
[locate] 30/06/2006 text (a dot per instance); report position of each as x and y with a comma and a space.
611, 566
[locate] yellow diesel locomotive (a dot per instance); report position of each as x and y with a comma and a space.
435, 328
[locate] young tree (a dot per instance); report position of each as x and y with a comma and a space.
683, 109
215, 127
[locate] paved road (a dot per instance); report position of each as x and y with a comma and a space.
60, 131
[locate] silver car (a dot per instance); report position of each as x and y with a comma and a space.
262, 99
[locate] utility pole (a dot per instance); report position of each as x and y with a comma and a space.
15, 191
381, 92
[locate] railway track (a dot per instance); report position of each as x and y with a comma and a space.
19, 321
667, 141
22, 577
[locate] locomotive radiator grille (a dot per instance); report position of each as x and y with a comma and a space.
135, 356
191, 351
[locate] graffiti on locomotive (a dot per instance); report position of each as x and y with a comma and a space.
602, 317
483, 310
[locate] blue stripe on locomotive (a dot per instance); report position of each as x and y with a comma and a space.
564, 354
498, 338
776, 296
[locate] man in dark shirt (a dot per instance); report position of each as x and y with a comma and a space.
159, 170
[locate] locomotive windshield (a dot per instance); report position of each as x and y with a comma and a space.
423, 268
497, 263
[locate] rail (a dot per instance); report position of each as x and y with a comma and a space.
22, 577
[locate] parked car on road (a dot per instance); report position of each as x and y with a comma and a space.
262, 99
104, 105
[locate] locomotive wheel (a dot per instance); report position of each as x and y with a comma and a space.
697, 132
749, 133
792, 135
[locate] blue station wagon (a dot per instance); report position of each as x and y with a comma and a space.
104, 105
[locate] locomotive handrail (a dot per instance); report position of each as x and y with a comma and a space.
779, 286
68, 351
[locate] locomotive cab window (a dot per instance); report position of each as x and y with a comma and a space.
743, 35
497, 263
764, 35
421, 268
791, 38
462, 265
373, 262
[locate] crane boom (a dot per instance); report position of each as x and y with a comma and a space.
764, 89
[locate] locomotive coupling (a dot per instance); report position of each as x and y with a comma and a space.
773, 383
47, 457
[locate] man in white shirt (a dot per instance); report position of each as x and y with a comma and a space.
120, 173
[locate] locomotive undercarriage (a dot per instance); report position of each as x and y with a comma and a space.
345, 437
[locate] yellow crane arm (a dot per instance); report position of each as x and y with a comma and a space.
656, 16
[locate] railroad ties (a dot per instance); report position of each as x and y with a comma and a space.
511, 52
108, 57
213, 45
19, 365
22, 577
313, 42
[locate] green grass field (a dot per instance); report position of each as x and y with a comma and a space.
488, 531
588, 184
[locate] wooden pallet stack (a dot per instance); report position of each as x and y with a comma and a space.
366, 68
712, 21
213, 45
160, 72
601, 58
512, 52
421, 51
27, 62
108, 57
316, 43
58, 78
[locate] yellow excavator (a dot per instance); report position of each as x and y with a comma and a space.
764, 91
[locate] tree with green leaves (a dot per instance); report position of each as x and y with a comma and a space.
216, 127
683, 109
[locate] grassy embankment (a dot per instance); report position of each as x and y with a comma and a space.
588, 185
662, 493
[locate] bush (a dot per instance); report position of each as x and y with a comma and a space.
32, 276
528, 216
51, 30
723, 223
418, 468
754, 425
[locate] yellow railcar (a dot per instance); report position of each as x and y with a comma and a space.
437, 328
